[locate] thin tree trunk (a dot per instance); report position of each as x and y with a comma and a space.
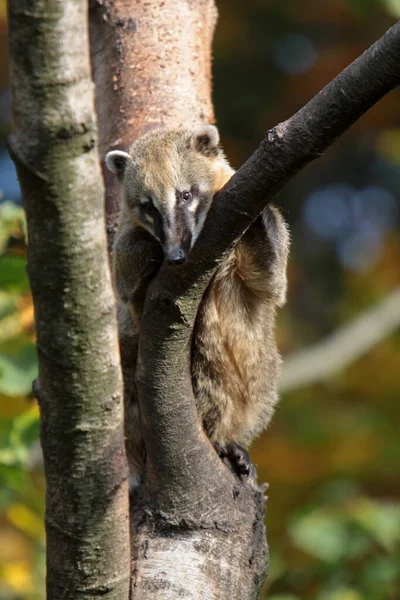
54, 147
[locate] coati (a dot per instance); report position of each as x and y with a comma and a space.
169, 179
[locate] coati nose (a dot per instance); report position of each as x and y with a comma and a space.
176, 257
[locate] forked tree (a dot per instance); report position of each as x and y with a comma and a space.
196, 530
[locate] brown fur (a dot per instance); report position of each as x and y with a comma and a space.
235, 362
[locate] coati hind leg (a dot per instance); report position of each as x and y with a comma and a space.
262, 255
236, 458
235, 362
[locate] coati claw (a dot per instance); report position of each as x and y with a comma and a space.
240, 460
237, 458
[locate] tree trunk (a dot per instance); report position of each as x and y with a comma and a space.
54, 147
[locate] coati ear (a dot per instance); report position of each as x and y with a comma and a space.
116, 161
205, 140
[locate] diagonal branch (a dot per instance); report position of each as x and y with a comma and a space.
174, 296
291, 145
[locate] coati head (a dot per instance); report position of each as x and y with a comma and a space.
169, 179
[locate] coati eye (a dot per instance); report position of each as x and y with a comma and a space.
185, 196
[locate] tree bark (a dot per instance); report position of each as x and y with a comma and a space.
54, 147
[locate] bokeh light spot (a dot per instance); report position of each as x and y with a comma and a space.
295, 53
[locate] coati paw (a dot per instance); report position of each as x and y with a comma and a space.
237, 458
240, 460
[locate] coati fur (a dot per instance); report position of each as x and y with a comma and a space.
169, 179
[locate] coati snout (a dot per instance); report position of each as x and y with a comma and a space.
172, 224
169, 179
176, 257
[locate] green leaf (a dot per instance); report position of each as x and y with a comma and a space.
12, 222
12, 479
342, 593
328, 536
378, 575
283, 597
17, 436
7, 304
18, 372
381, 520
320, 535
13, 273
393, 7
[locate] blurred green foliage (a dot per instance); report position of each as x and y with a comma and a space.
332, 454
21, 477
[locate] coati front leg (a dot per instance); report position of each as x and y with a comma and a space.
137, 258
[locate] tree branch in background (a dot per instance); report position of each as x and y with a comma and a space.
343, 347
54, 147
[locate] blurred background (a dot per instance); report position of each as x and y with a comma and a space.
332, 452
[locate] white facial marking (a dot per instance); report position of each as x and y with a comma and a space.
204, 187
199, 227
170, 207
194, 204
171, 199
